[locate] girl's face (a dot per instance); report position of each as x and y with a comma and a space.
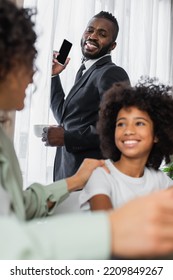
134, 133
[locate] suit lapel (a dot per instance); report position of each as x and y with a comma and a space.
82, 80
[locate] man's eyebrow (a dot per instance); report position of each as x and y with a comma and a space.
99, 29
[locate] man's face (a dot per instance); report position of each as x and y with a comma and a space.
97, 39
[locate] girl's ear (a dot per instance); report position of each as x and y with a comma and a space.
156, 140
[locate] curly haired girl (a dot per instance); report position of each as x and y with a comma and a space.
136, 134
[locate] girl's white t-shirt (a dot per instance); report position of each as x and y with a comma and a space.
121, 188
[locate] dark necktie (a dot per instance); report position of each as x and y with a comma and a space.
79, 73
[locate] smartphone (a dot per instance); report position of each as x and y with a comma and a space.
64, 51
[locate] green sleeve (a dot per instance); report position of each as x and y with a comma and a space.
81, 236
36, 196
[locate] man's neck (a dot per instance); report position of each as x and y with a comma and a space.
84, 59
88, 63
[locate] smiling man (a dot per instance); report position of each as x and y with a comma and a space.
76, 137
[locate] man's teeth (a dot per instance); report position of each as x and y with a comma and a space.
90, 45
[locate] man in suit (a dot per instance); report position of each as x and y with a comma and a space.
76, 137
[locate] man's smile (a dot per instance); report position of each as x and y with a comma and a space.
90, 45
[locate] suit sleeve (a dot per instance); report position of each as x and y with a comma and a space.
87, 138
113, 75
89, 238
81, 140
57, 97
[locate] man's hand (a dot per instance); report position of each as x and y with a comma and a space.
53, 136
143, 227
56, 67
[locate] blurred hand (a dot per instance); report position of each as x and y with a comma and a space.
144, 226
56, 67
80, 178
53, 136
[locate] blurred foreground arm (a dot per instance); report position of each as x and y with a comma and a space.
143, 228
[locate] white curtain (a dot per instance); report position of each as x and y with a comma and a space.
144, 47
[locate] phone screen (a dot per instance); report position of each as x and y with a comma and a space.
64, 51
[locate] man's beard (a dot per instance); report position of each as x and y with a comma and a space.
103, 51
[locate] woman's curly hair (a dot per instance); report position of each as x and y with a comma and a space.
156, 100
17, 37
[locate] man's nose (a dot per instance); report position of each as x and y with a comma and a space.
93, 36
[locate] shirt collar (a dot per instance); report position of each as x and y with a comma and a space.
90, 62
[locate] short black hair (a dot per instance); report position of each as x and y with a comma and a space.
17, 37
156, 100
110, 17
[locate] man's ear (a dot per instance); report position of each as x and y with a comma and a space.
113, 46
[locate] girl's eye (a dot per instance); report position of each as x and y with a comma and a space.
120, 124
140, 123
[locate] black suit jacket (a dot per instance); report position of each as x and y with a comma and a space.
78, 114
